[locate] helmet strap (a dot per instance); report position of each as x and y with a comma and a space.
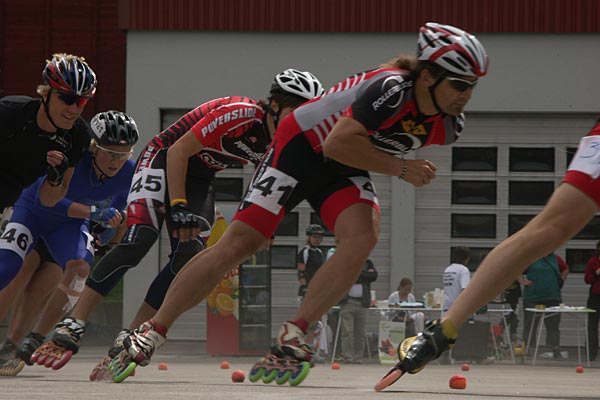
432, 93
274, 114
47, 110
102, 177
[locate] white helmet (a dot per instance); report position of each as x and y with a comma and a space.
300, 83
453, 49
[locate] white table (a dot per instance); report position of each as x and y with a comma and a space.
549, 312
384, 311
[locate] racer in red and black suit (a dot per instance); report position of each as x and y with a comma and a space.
323, 153
174, 181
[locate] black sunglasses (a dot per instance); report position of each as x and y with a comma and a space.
462, 85
70, 99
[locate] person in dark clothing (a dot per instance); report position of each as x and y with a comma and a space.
310, 257
592, 277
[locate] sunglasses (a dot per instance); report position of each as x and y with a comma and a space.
462, 85
116, 155
70, 99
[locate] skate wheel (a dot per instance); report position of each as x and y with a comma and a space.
299, 375
255, 374
41, 360
269, 376
62, 360
283, 376
124, 374
389, 379
34, 357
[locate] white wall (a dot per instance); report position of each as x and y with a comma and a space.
528, 72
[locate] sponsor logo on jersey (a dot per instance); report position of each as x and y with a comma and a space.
394, 85
212, 162
245, 112
396, 143
252, 155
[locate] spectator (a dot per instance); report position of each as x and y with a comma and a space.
310, 257
353, 314
592, 277
404, 295
543, 281
456, 276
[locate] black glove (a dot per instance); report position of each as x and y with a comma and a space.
183, 217
56, 174
302, 290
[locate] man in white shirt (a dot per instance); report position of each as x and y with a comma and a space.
456, 276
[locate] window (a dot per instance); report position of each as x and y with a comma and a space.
477, 256
284, 257
315, 219
522, 193
591, 231
570, 154
577, 259
530, 159
229, 189
474, 159
473, 192
289, 225
473, 225
517, 221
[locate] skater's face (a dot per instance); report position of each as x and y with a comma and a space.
111, 158
315, 240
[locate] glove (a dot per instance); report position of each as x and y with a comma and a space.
183, 217
102, 214
56, 174
106, 235
302, 290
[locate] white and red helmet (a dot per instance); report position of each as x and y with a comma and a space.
453, 49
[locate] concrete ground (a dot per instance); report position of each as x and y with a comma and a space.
193, 375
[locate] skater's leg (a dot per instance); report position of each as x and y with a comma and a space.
10, 293
356, 230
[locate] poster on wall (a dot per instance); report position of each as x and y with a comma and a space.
391, 334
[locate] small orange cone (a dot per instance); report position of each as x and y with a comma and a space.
458, 382
238, 376
163, 366
335, 366
224, 365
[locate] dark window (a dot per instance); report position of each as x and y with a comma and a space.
521, 193
473, 192
570, 154
284, 256
315, 219
531, 159
477, 256
229, 189
474, 158
578, 258
289, 225
591, 231
473, 225
517, 221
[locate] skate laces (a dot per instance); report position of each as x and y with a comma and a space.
148, 339
71, 327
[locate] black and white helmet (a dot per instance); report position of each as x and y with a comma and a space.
453, 49
314, 229
114, 128
299, 83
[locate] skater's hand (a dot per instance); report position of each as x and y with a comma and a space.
186, 224
419, 172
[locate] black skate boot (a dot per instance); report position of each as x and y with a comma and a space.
416, 352
56, 352
30, 344
10, 364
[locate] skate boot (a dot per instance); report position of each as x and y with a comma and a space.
416, 352
288, 360
139, 347
56, 352
101, 371
30, 344
10, 364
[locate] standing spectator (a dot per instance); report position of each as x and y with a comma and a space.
592, 277
353, 314
512, 294
542, 281
563, 268
310, 257
456, 276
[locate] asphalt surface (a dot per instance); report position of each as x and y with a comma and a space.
193, 375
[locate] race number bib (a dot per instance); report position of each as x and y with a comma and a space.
16, 237
271, 190
587, 158
365, 186
147, 183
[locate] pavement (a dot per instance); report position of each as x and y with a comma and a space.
192, 374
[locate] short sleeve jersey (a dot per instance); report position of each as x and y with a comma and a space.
584, 170
383, 101
312, 258
456, 278
231, 130
24, 145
